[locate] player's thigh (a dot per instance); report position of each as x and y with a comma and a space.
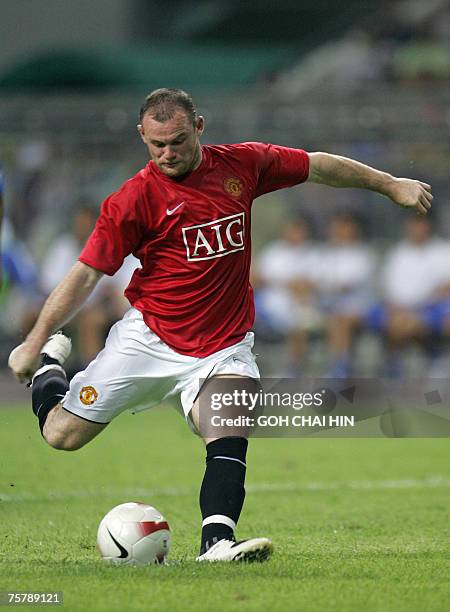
219, 384
66, 431
134, 371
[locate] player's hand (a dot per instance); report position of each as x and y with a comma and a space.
411, 194
24, 361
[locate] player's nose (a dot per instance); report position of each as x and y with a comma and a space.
169, 153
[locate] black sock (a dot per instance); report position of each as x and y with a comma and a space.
222, 492
47, 360
47, 391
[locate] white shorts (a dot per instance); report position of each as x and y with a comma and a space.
137, 370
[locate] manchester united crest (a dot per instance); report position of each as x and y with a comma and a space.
88, 395
233, 186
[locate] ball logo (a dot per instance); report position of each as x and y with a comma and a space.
233, 186
88, 395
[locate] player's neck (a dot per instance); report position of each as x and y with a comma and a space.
196, 162
197, 158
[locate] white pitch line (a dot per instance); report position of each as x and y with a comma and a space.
431, 482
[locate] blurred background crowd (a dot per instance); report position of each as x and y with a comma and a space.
345, 283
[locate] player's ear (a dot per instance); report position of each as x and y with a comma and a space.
140, 129
200, 125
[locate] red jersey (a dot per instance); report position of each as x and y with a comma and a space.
192, 237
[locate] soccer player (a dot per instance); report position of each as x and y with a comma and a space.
186, 217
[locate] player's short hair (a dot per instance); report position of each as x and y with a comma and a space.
162, 104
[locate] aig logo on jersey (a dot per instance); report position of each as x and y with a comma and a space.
214, 239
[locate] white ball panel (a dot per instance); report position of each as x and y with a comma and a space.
153, 548
109, 548
152, 514
130, 532
131, 512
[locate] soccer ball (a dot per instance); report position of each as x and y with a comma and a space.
133, 534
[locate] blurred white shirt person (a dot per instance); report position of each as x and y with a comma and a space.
286, 300
344, 277
416, 291
415, 270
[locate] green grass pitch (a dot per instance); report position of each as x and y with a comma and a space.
357, 524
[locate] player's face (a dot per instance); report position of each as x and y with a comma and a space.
174, 144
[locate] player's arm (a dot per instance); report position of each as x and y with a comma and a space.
337, 171
61, 305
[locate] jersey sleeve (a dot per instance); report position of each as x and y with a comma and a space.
117, 233
279, 167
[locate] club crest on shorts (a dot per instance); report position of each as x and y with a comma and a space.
233, 186
88, 395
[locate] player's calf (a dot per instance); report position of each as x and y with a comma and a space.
61, 429
222, 493
49, 386
49, 383
221, 499
66, 431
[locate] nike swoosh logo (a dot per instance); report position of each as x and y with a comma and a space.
123, 551
170, 211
